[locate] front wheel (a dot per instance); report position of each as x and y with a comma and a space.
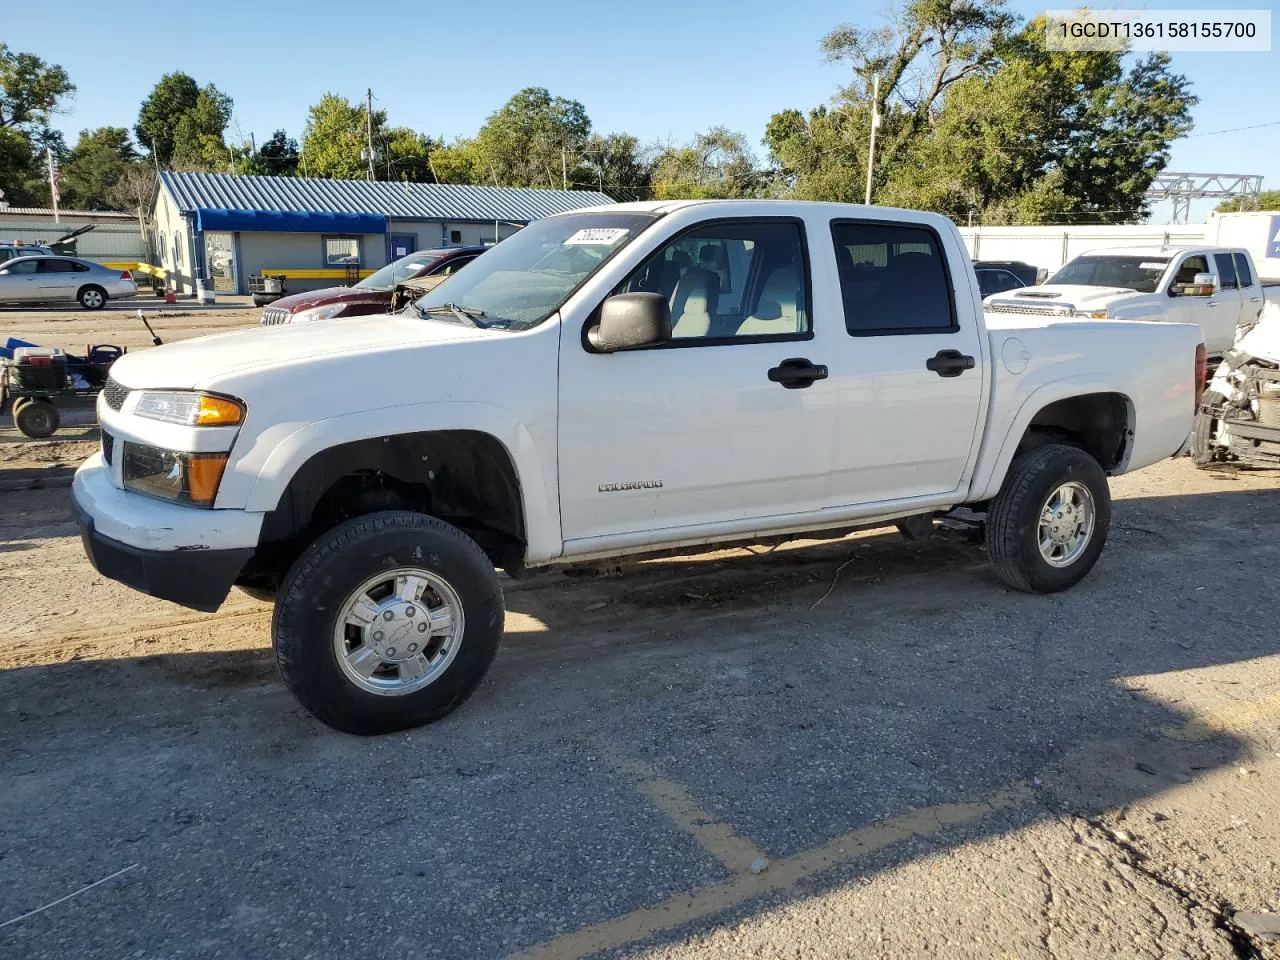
388, 621
1047, 525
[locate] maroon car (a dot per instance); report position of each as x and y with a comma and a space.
373, 294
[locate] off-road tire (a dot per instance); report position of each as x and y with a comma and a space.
1204, 451
308, 605
1014, 514
37, 419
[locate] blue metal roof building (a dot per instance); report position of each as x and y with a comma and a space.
225, 227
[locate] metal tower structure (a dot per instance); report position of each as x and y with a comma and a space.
1182, 188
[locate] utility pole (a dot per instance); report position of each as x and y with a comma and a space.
54, 176
368, 129
564, 167
155, 155
875, 124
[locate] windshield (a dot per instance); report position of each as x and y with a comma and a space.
526, 277
1136, 273
398, 272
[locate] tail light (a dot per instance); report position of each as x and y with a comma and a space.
126, 275
1202, 373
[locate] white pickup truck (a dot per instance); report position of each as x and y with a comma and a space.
616, 381
1216, 287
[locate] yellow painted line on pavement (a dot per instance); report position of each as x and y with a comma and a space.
719, 839
1236, 718
784, 874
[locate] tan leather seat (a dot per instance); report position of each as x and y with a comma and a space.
691, 304
777, 311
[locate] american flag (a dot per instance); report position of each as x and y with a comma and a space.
55, 176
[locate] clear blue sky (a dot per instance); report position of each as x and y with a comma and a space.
661, 69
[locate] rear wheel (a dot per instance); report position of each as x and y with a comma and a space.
1047, 525
37, 418
92, 298
388, 621
1204, 436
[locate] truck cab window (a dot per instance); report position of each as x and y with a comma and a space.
1226, 271
1243, 273
892, 279
729, 280
1188, 269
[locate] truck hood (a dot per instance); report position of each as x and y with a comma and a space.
203, 361
1060, 298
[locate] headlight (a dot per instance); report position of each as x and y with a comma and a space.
317, 313
170, 475
190, 408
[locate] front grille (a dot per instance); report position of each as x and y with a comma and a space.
273, 315
1043, 310
108, 443
114, 394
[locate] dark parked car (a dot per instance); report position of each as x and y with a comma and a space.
997, 276
372, 294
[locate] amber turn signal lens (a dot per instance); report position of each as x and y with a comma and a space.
204, 473
218, 412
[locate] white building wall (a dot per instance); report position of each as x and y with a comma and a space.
173, 243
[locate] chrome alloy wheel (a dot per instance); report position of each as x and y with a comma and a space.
1066, 524
398, 631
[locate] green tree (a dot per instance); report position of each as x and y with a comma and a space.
457, 163
405, 154
184, 122
616, 165
276, 157
30, 89
978, 118
1267, 200
94, 165
334, 138
22, 180
715, 165
532, 140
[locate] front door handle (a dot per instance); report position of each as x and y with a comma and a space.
1255, 299
797, 373
1211, 303
949, 363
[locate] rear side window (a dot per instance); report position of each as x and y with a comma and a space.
893, 279
1243, 274
59, 266
1226, 270
997, 281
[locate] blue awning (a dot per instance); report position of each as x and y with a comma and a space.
299, 221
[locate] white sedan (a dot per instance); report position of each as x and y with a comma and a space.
64, 279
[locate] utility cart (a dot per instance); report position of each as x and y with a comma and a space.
36, 381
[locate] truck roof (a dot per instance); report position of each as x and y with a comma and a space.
1163, 251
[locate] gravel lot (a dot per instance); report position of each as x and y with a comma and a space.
707, 757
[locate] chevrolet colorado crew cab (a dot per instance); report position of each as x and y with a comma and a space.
1215, 287
614, 381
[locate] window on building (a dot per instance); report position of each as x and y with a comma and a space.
177, 248
455, 236
339, 251
892, 279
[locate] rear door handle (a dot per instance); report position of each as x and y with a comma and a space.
1211, 303
797, 373
1255, 299
949, 363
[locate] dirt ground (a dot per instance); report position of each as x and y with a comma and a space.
857, 748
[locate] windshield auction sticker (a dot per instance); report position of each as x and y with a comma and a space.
1158, 30
597, 237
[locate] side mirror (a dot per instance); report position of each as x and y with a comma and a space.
1203, 285
629, 320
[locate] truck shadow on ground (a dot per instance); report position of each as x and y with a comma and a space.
918, 682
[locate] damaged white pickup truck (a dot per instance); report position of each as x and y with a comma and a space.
610, 382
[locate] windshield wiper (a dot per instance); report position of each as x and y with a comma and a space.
471, 315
